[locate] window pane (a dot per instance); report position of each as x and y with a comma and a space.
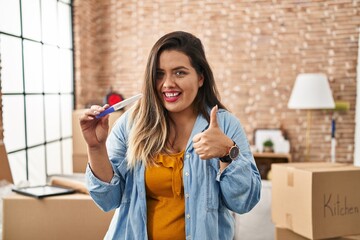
37, 86
31, 19
10, 17
53, 156
17, 163
64, 14
67, 156
49, 21
33, 67
35, 120
14, 124
11, 64
37, 170
65, 1
66, 113
52, 117
66, 71
51, 73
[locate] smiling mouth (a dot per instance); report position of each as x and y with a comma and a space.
171, 96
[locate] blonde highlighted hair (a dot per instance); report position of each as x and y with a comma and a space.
149, 131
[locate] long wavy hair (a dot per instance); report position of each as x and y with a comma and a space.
149, 122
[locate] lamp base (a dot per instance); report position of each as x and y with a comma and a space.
333, 150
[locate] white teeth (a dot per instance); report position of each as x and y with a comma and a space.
171, 94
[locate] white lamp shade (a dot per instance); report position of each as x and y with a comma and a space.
311, 91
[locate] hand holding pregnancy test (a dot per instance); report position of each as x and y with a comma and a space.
119, 105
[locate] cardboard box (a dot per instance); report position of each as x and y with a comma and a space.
286, 234
79, 163
73, 216
79, 145
316, 200
5, 172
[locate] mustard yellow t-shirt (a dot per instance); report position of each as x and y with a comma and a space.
165, 198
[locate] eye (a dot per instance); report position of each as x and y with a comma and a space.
159, 75
180, 73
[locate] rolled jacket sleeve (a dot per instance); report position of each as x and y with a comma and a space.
99, 190
108, 196
240, 186
240, 181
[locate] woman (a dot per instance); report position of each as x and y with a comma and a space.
177, 162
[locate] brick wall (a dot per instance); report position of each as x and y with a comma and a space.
1, 118
256, 50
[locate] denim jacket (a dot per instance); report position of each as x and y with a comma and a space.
210, 196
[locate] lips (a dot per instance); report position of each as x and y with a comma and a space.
171, 96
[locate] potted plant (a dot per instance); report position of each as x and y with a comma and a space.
268, 146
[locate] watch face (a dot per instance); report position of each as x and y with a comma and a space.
234, 152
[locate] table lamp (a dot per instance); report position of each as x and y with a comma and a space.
311, 91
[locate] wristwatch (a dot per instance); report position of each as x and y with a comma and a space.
231, 155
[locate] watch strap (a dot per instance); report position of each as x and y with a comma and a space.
227, 158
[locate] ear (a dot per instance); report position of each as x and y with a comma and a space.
201, 80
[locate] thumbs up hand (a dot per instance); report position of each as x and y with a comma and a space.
212, 142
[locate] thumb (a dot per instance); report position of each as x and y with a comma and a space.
213, 118
105, 120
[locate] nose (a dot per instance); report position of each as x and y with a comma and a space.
168, 81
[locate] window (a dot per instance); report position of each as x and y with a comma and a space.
37, 87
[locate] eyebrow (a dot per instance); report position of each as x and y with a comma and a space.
174, 69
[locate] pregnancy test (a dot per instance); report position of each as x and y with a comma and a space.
119, 105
